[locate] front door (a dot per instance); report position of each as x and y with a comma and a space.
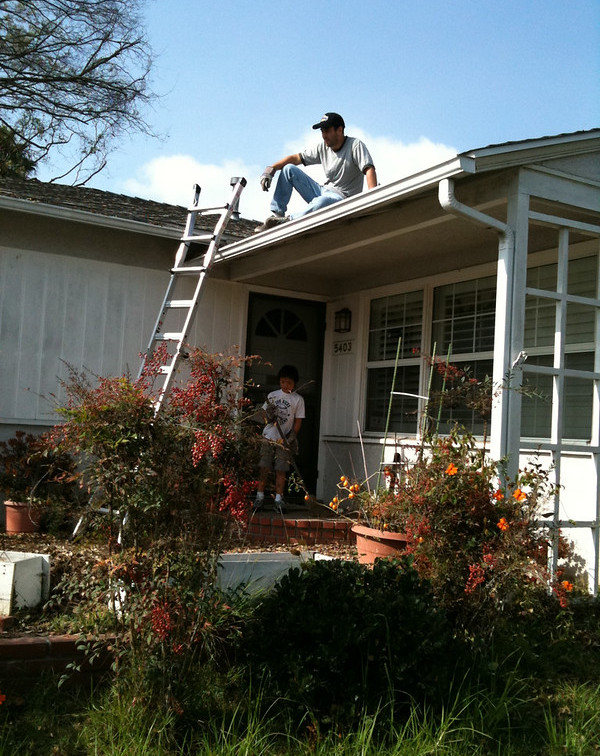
285, 331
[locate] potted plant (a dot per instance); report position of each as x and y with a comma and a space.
31, 477
379, 524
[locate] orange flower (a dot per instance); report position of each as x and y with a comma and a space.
452, 469
567, 586
503, 524
519, 495
498, 495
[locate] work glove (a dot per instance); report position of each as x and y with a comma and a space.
292, 442
266, 178
271, 412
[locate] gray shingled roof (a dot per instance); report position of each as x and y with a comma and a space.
111, 205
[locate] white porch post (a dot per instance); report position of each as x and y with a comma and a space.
510, 314
508, 337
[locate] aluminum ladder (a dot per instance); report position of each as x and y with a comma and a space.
185, 309
176, 315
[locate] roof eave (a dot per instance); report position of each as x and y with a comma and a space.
360, 204
510, 154
82, 216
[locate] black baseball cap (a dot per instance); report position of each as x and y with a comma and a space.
330, 119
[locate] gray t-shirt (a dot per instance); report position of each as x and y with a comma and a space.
343, 168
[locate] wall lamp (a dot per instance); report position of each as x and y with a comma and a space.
342, 321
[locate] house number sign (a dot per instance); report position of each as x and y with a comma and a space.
342, 347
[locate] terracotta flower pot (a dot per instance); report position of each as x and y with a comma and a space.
372, 543
21, 517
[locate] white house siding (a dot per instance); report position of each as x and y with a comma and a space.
59, 309
576, 503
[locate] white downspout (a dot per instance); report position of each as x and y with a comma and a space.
505, 435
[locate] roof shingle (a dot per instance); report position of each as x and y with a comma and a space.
111, 205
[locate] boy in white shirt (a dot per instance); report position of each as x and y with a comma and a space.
284, 411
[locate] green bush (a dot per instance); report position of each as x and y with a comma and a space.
338, 638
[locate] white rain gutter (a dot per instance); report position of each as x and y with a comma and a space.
369, 201
505, 431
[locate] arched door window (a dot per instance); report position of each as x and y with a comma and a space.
281, 323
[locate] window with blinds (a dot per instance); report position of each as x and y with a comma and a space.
462, 325
463, 330
396, 323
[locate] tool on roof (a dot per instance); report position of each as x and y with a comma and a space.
176, 315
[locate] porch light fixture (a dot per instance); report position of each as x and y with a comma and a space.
342, 322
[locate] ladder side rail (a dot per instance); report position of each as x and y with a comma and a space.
209, 256
151, 343
190, 224
223, 221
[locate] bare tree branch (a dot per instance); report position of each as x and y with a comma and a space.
73, 77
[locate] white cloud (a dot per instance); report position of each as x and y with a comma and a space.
171, 178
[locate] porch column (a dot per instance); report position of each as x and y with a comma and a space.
511, 277
510, 314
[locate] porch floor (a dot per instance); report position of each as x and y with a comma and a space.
300, 524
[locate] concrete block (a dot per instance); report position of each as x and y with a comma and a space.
257, 570
24, 580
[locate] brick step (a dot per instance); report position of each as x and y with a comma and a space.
296, 527
24, 659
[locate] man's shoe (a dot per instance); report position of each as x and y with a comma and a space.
258, 504
280, 506
271, 222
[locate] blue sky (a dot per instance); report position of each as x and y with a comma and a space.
242, 82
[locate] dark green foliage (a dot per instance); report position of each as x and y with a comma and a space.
14, 156
338, 638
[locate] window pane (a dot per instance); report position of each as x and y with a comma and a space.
581, 324
542, 277
468, 407
540, 322
403, 416
393, 318
464, 316
536, 402
583, 276
577, 408
579, 398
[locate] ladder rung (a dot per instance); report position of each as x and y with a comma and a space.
190, 271
168, 336
198, 238
178, 304
208, 210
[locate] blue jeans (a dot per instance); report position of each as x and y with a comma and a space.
292, 177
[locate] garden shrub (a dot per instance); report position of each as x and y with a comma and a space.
338, 638
166, 472
473, 532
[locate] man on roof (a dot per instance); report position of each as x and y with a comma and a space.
345, 160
